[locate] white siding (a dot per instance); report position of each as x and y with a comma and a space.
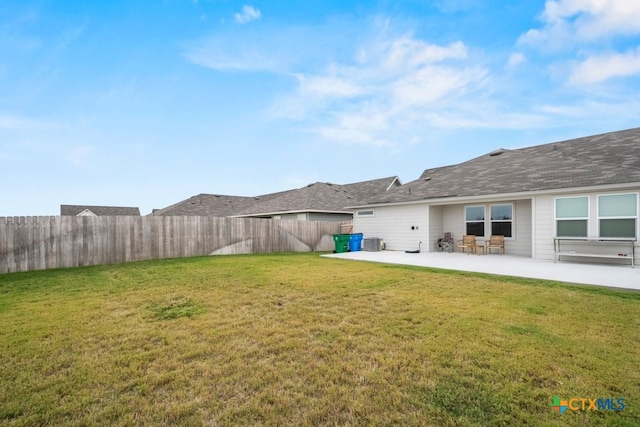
394, 225
521, 243
544, 215
435, 226
534, 226
453, 220
543, 238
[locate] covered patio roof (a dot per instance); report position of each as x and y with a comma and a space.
614, 276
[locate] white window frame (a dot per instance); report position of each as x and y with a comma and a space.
634, 217
586, 218
512, 220
483, 221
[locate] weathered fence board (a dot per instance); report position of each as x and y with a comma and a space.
37, 243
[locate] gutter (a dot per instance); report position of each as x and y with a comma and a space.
501, 196
290, 212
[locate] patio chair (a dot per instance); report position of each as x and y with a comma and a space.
468, 243
495, 242
446, 242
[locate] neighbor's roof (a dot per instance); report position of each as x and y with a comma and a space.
73, 210
320, 197
207, 205
611, 158
317, 197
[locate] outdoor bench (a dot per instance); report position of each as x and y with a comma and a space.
594, 247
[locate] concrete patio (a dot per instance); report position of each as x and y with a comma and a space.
614, 276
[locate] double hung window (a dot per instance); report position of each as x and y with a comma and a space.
572, 216
474, 219
618, 215
502, 220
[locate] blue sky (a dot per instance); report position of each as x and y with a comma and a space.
146, 103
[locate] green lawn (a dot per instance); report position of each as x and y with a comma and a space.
297, 339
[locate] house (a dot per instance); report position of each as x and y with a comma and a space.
83, 210
585, 188
319, 201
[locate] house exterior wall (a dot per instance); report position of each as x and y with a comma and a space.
394, 225
533, 228
453, 220
520, 244
436, 227
545, 227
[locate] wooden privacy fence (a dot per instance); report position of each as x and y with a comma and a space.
37, 243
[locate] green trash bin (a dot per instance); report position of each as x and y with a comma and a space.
341, 242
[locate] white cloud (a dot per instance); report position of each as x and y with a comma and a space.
218, 54
248, 14
599, 31
381, 96
430, 84
516, 59
367, 126
569, 21
597, 69
409, 53
327, 86
17, 123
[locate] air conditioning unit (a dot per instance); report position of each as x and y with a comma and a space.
372, 244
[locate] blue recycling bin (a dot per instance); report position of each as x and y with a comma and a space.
355, 242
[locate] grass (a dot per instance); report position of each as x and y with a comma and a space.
296, 339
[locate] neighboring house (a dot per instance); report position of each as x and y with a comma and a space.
581, 188
316, 202
82, 210
320, 201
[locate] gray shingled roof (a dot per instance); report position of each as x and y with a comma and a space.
208, 205
73, 210
611, 158
317, 197
320, 197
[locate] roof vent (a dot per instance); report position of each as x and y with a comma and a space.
427, 178
497, 152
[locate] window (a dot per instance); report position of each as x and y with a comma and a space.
572, 216
617, 215
502, 220
365, 213
474, 219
